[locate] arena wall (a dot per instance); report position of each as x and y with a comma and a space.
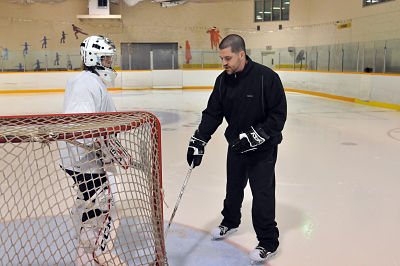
311, 22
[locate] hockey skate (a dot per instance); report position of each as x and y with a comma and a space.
87, 259
222, 232
95, 243
260, 255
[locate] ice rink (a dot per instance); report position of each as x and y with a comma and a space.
337, 180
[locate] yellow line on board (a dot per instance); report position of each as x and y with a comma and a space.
336, 72
49, 90
202, 69
31, 91
378, 104
137, 70
138, 89
154, 89
39, 72
166, 89
184, 69
198, 88
370, 103
342, 98
183, 88
109, 89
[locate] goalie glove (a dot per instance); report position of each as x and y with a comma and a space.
249, 140
114, 151
195, 150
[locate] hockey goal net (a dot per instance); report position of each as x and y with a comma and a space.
39, 189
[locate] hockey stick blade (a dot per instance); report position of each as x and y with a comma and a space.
179, 199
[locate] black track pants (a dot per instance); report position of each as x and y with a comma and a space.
259, 168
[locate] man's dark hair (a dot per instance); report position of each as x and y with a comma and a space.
235, 42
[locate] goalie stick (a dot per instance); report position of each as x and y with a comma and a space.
179, 199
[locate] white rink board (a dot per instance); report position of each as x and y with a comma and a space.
167, 79
365, 87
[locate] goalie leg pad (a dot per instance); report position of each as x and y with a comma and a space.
87, 184
101, 219
94, 213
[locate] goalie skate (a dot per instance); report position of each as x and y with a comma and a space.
96, 242
85, 258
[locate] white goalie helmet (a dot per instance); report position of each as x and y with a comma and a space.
99, 52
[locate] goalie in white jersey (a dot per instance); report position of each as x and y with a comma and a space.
89, 161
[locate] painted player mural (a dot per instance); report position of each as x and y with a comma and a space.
77, 30
188, 54
5, 53
37, 65
63, 35
20, 67
44, 42
25, 45
57, 60
215, 37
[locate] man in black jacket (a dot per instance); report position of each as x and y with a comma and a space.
251, 98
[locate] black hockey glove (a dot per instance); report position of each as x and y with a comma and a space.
195, 150
249, 140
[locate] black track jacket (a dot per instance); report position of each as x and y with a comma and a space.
252, 97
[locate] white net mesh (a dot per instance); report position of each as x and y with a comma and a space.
51, 163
